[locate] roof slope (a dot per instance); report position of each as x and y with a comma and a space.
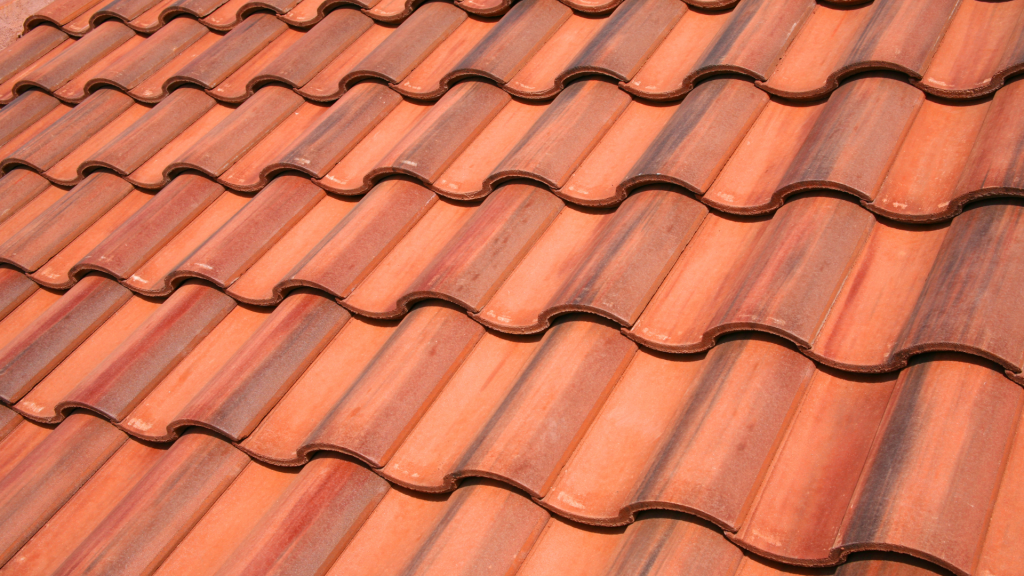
513, 288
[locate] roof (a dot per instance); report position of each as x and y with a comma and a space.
638, 287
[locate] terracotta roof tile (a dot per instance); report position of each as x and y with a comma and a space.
530, 287
53, 335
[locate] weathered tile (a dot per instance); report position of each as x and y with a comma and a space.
464, 261
131, 69
380, 407
415, 535
685, 434
38, 485
930, 482
77, 58
17, 189
245, 389
148, 230
606, 263
125, 376
230, 52
251, 232
28, 49
563, 136
55, 333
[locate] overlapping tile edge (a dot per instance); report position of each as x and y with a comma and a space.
712, 145
177, 513
661, 50
672, 275
791, 396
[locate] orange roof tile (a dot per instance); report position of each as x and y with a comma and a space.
493, 287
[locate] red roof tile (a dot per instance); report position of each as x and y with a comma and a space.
535, 287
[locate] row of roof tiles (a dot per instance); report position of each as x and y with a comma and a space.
105, 503
920, 462
852, 291
656, 49
878, 139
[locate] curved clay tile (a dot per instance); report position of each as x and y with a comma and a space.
464, 397
883, 35
609, 264
67, 73
493, 50
56, 332
450, 245
615, 46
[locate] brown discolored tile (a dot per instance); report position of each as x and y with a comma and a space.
64, 135
750, 180
363, 238
40, 403
673, 66
430, 145
154, 417
494, 50
52, 230
9, 421
26, 313
855, 138
56, 273
125, 376
780, 275
408, 535
533, 417
154, 172
971, 289
70, 170
84, 511
7, 92
15, 288
143, 527
230, 52
931, 479
148, 230
136, 144
804, 496
54, 333
418, 35
463, 262
699, 138
563, 136
152, 278
245, 389
241, 84
999, 553
308, 524
993, 165
378, 295
38, 485
20, 115
317, 48
335, 78
252, 171
158, 84
262, 283
466, 176
865, 327
336, 132
380, 407
660, 544
606, 263
677, 429
131, 69
18, 188
61, 12
221, 146
28, 49
279, 437
984, 30
77, 58
348, 177
251, 232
